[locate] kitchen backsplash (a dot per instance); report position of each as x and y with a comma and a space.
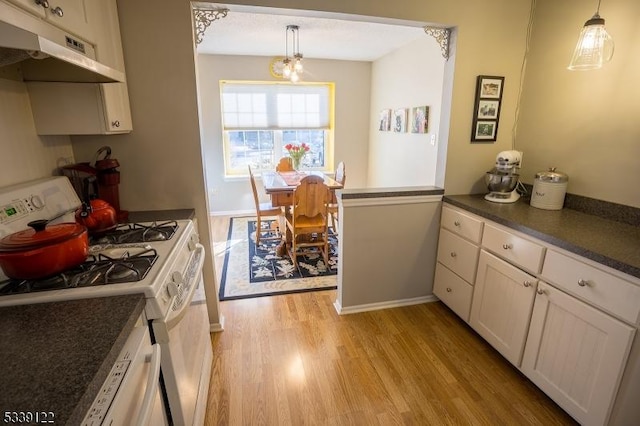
25, 155
612, 211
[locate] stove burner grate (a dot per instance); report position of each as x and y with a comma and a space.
138, 233
99, 269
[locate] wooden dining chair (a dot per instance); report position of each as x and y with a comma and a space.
284, 165
264, 210
341, 178
308, 219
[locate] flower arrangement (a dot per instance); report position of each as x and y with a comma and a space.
297, 153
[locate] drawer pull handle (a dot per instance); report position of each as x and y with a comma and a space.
456, 223
527, 283
583, 283
453, 254
540, 291
507, 246
448, 289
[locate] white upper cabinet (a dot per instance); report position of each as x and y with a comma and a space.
69, 15
36, 7
87, 108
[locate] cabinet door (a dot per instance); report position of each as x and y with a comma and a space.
71, 15
116, 107
502, 303
30, 6
576, 354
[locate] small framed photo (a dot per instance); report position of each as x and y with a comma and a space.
486, 110
384, 120
420, 119
400, 120
491, 87
485, 130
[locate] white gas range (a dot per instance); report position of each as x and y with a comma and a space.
162, 260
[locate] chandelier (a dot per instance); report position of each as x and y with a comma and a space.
292, 64
594, 47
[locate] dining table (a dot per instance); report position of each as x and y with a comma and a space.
280, 187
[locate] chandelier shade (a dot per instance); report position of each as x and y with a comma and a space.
595, 45
292, 63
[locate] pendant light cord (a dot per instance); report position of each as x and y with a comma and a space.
598, 9
522, 71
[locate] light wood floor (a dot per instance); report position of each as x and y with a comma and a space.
292, 360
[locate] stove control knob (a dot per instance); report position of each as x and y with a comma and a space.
172, 289
36, 202
195, 239
177, 278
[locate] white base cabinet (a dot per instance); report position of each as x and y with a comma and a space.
502, 303
576, 354
566, 322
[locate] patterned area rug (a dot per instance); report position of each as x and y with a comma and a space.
251, 271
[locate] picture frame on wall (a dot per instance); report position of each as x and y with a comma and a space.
384, 120
400, 120
486, 113
485, 130
420, 119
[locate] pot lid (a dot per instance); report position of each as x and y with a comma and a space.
552, 175
40, 235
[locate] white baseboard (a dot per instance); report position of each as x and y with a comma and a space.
383, 305
233, 213
217, 327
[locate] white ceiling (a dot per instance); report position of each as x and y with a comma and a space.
263, 34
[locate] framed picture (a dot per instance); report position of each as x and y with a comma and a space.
420, 119
400, 120
486, 112
384, 120
485, 130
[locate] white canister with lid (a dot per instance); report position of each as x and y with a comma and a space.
549, 189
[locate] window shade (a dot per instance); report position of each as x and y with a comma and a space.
275, 106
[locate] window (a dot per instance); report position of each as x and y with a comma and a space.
259, 119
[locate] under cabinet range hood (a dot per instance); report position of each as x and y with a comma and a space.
41, 58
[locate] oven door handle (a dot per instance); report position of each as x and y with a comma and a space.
174, 317
153, 381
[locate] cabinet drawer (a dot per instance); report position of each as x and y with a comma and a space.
453, 291
515, 249
462, 224
615, 295
458, 254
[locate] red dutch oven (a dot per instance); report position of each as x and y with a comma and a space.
43, 250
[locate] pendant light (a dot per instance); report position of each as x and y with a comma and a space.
292, 64
595, 45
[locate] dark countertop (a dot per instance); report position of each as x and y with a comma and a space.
161, 215
611, 243
406, 191
54, 357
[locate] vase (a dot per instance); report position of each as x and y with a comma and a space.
295, 163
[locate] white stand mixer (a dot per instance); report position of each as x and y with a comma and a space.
503, 179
